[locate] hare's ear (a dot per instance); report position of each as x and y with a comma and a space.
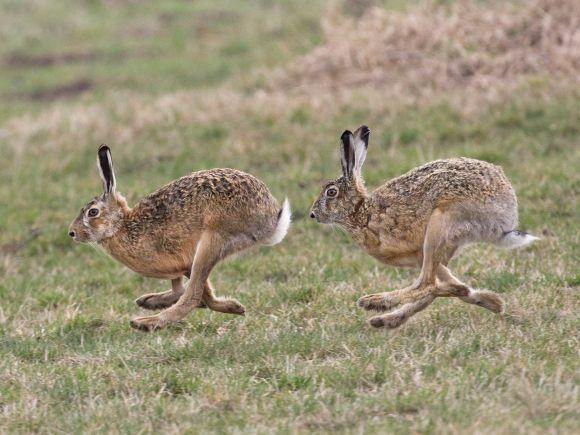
361, 143
105, 165
347, 153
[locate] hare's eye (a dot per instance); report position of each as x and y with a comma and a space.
331, 192
93, 212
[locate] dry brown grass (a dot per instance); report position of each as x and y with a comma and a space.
437, 47
466, 53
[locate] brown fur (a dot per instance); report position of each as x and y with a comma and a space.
182, 229
419, 220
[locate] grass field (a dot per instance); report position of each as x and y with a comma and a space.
176, 86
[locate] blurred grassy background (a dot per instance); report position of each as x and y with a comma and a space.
268, 87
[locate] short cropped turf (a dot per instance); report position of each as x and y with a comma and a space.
174, 87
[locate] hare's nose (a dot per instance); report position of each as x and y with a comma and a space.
71, 233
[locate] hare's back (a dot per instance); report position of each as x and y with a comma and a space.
224, 185
223, 191
448, 180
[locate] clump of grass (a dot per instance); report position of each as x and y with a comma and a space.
440, 46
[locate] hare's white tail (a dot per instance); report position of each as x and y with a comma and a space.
516, 239
284, 219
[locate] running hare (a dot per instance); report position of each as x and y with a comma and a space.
420, 219
183, 229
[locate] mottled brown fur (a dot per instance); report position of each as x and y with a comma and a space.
419, 220
181, 229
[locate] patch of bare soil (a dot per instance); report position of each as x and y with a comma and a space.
62, 91
22, 60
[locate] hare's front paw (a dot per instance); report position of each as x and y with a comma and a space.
379, 302
391, 320
234, 307
147, 323
487, 299
158, 301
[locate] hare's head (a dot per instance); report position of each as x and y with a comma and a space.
341, 198
102, 216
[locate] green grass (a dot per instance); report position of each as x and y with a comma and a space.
303, 359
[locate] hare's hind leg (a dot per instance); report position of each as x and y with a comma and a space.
451, 286
223, 305
437, 249
156, 301
211, 248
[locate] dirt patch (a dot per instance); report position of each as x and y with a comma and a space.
62, 91
21, 60
439, 47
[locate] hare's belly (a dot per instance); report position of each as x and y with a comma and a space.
397, 257
167, 261
389, 249
165, 270
166, 267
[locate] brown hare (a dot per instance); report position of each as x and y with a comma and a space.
419, 220
182, 229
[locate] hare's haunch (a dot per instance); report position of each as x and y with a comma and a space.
182, 229
419, 220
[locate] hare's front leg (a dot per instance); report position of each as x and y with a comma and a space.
387, 301
396, 318
211, 248
155, 301
437, 249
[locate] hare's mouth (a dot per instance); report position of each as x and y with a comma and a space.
315, 216
318, 218
77, 237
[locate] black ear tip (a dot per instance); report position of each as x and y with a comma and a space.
364, 130
345, 135
104, 148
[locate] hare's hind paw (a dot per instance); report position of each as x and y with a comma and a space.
379, 302
230, 306
147, 323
